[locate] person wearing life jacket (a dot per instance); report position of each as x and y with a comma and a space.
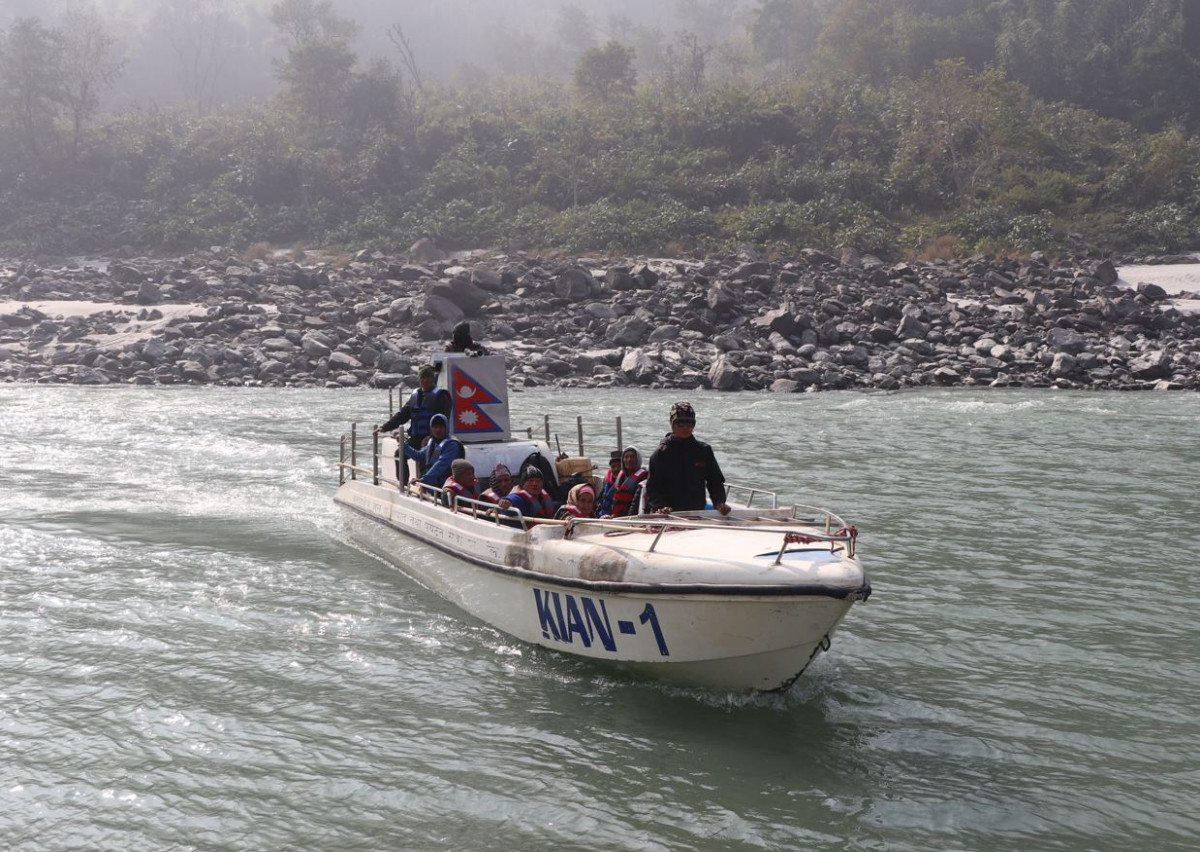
628, 483
426, 401
502, 485
581, 503
531, 498
605, 499
462, 483
436, 457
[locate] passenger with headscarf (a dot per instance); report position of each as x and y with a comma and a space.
682, 468
581, 503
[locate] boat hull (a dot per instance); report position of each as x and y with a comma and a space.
732, 637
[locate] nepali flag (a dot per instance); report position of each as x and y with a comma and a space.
469, 396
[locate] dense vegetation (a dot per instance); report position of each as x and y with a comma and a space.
894, 126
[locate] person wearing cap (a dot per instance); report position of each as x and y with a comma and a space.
462, 482
604, 504
437, 456
426, 401
683, 468
502, 485
581, 503
531, 498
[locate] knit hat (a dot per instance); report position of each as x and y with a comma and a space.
614, 456
682, 411
460, 466
427, 370
530, 472
439, 418
499, 471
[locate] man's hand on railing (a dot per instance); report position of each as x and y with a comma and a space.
723, 508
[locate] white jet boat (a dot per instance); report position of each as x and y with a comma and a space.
743, 601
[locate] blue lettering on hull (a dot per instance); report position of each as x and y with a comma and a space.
583, 620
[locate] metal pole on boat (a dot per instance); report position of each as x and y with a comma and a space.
342, 461
547, 424
579, 429
529, 433
374, 458
354, 451
619, 444
391, 402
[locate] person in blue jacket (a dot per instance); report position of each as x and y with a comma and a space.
437, 457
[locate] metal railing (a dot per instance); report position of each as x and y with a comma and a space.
845, 534
751, 493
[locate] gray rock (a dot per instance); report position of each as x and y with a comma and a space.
1066, 340
1063, 365
149, 293
1152, 365
192, 371
575, 283
486, 278
724, 376
344, 361
400, 312
314, 348
628, 331
785, 386
443, 310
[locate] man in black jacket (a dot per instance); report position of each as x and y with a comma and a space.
682, 468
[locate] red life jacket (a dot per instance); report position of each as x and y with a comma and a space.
492, 497
458, 489
624, 491
567, 509
543, 508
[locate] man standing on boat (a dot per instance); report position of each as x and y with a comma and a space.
682, 468
426, 401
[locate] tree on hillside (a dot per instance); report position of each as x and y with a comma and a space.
785, 32
89, 65
203, 35
31, 89
605, 72
319, 65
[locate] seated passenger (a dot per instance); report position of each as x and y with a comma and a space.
628, 486
462, 482
581, 503
438, 454
502, 485
604, 504
531, 499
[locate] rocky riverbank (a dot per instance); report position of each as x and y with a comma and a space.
811, 322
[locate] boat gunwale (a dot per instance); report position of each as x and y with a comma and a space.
859, 593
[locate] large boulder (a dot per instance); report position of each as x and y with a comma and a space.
149, 293
628, 331
442, 309
724, 376
425, 250
1152, 365
1066, 340
575, 283
459, 290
